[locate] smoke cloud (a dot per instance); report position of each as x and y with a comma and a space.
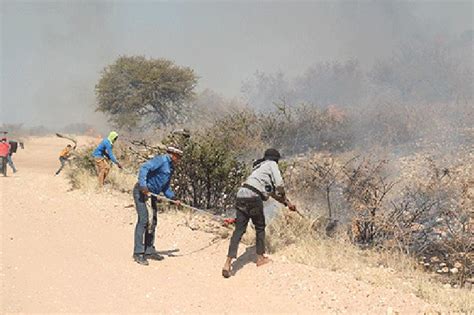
52, 52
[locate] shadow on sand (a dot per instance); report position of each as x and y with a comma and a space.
249, 256
169, 252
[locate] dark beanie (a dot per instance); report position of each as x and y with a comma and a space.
272, 154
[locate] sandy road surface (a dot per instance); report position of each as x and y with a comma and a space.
69, 251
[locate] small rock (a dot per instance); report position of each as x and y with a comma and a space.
447, 286
442, 265
458, 265
454, 270
445, 269
434, 259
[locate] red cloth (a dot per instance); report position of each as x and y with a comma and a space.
4, 149
229, 221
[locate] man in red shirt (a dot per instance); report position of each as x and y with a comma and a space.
4, 151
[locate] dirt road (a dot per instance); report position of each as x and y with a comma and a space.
70, 251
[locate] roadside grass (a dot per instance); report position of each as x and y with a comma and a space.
293, 238
116, 180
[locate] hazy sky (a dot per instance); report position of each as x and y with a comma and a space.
52, 52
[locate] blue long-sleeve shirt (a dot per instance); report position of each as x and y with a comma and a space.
156, 175
104, 150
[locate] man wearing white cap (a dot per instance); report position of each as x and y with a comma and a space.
154, 177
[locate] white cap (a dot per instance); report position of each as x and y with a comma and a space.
174, 151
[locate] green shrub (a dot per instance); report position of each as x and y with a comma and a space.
209, 174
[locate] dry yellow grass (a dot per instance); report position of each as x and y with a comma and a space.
116, 180
292, 237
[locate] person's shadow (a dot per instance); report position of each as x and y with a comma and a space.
169, 252
247, 257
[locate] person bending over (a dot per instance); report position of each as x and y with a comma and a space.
154, 177
265, 181
103, 154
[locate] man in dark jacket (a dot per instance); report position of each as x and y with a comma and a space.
154, 177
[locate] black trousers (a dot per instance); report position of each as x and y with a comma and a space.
248, 209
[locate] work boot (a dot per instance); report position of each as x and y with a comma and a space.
140, 258
154, 256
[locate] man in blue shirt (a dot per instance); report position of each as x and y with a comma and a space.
102, 154
154, 177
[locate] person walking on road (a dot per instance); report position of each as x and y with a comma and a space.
265, 181
4, 152
13, 149
64, 157
154, 177
103, 154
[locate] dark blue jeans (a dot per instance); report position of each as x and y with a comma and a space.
10, 162
144, 239
63, 161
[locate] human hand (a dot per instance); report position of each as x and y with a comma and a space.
292, 207
119, 165
145, 191
177, 203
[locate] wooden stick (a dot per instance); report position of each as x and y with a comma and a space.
185, 205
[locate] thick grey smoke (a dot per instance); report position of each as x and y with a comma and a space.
51, 56
52, 52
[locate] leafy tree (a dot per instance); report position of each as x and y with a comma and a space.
139, 92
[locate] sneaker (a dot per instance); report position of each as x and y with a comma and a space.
140, 258
154, 256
